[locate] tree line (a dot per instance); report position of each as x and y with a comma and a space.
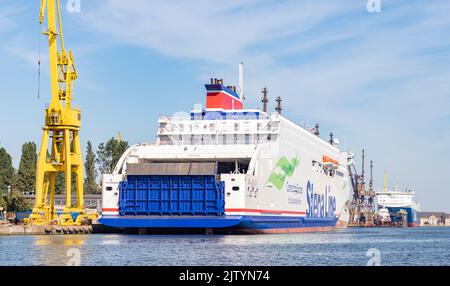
15, 183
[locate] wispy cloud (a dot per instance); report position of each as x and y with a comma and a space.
8, 14
380, 78
28, 51
216, 31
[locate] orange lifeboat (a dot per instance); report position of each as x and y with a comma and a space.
330, 162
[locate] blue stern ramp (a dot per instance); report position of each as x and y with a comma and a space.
171, 195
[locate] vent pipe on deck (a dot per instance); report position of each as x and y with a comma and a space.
265, 99
241, 81
363, 162
331, 138
279, 109
371, 176
316, 130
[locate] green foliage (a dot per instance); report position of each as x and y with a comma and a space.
24, 180
60, 183
109, 153
26, 175
6, 175
90, 185
59, 180
15, 202
2, 199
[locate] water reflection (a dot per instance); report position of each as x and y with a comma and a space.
56, 250
68, 240
347, 247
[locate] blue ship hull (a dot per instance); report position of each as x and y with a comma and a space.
413, 215
246, 224
196, 202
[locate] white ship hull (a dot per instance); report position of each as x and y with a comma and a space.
280, 183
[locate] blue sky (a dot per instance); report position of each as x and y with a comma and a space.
377, 80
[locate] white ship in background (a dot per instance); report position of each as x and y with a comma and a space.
226, 168
395, 201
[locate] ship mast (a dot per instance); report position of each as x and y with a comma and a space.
279, 108
265, 99
371, 176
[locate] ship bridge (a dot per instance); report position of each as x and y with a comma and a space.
219, 127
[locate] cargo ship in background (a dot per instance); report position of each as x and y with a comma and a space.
391, 203
397, 201
225, 168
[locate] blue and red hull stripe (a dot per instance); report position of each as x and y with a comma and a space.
245, 223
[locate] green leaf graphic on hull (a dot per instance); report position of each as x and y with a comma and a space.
283, 170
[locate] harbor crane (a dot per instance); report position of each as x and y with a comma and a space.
60, 150
362, 207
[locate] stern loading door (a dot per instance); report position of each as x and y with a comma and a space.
174, 189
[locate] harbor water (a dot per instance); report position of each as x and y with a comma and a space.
354, 246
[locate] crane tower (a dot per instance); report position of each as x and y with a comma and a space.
60, 150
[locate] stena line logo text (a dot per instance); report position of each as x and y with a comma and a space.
319, 205
295, 194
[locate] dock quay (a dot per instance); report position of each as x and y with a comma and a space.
22, 229
10, 229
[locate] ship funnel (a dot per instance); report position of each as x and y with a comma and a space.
241, 81
221, 96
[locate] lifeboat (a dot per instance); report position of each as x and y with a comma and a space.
329, 162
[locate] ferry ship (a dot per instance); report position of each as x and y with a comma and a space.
228, 168
395, 201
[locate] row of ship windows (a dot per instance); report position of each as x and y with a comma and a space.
396, 200
320, 168
222, 139
212, 127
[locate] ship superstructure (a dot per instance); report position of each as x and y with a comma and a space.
224, 167
396, 201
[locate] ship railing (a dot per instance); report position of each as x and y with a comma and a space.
217, 129
225, 139
164, 131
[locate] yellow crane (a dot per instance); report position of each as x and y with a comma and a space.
60, 150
